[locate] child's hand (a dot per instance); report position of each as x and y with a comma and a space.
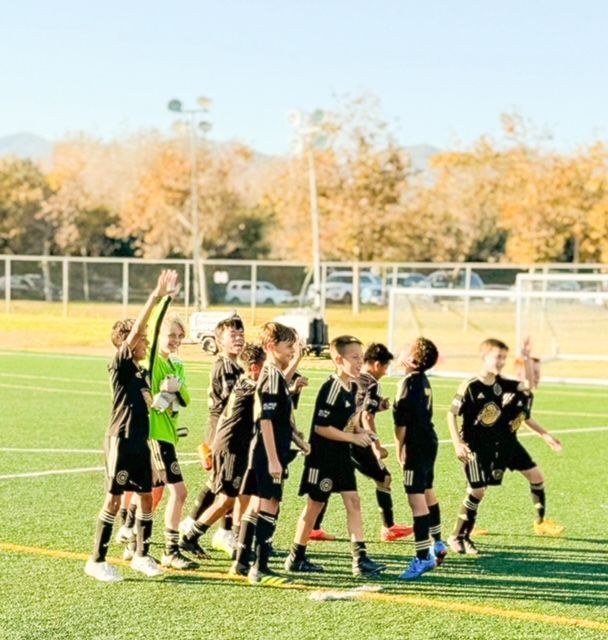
463, 453
275, 469
554, 443
300, 383
361, 439
171, 384
305, 448
385, 404
167, 284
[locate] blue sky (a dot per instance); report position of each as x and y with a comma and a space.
443, 70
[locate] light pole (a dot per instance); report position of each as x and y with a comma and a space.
195, 124
309, 135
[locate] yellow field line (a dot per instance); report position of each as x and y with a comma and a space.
419, 601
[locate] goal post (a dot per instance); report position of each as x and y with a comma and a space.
567, 323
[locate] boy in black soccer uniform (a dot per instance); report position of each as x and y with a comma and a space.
513, 455
416, 445
482, 402
368, 460
271, 447
128, 458
233, 436
329, 467
230, 338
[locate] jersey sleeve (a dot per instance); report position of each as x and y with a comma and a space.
372, 400
268, 394
401, 405
295, 395
324, 405
461, 399
154, 325
219, 389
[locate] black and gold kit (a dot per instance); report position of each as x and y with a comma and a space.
329, 467
413, 410
224, 374
484, 409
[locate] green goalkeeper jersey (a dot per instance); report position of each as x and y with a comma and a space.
163, 424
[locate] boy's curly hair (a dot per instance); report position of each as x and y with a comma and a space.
120, 331
424, 353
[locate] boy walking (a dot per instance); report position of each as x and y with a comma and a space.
416, 444
329, 467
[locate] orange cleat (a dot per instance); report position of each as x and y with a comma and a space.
205, 456
396, 532
321, 536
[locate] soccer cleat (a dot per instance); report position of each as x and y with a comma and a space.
193, 547
469, 547
418, 567
177, 560
548, 528
396, 532
102, 571
456, 544
440, 551
185, 526
124, 534
223, 540
303, 566
365, 566
266, 578
321, 536
238, 569
205, 455
146, 565
128, 553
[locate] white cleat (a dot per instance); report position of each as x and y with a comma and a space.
224, 540
128, 553
185, 526
102, 571
146, 565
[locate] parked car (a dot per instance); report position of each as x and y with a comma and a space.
31, 286
408, 279
239, 292
447, 280
339, 286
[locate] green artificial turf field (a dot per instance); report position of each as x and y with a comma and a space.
54, 412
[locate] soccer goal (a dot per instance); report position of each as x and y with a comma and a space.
568, 323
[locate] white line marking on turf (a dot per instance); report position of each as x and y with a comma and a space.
47, 450
50, 472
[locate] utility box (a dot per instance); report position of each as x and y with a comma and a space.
311, 328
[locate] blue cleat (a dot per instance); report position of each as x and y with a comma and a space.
440, 551
418, 567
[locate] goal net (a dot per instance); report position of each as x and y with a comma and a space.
567, 323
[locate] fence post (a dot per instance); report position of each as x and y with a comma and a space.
467, 297
7, 286
125, 288
356, 294
187, 292
254, 290
65, 282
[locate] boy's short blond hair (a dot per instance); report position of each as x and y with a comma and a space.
492, 343
174, 318
338, 345
277, 332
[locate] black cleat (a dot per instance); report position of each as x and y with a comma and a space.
365, 566
193, 547
238, 569
303, 566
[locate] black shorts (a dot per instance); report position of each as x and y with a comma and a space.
166, 466
128, 466
513, 456
481, 470
321, 478
228, 472
365, 461
419, 470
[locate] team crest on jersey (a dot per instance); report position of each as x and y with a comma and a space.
122, 477
497, 474
489, 414
175, 470
326, 485
497, 389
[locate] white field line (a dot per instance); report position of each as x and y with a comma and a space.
53, 472
51, 450
61, 472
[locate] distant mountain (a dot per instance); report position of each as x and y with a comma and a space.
26, 145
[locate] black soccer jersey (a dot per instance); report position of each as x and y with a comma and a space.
273, 402
368, 394
484, 408
518, 411
131, 397
336, 403
413, 409
224, 375
235, 426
